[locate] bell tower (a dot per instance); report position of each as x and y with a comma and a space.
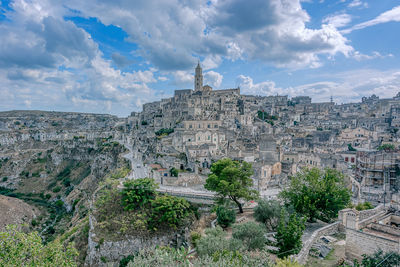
198, 78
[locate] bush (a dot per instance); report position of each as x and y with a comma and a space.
268, 212
138, 192
20, 249
195, 236
179, 258
174, 172
170, 210
225, 216
215, 241
364, 206
251, 234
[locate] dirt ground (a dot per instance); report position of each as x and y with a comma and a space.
15, 211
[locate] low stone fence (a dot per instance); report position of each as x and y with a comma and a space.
302, 256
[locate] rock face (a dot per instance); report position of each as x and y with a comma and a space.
15, 211
109, 253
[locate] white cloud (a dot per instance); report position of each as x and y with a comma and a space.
359, 56
212, 78
172, 34
183, 78
391, 15
345, 87
358, 3
266, 88
337, 20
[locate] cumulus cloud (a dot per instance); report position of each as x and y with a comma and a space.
212, 78
120, 60
345, 87
172, 34
390, 15
48, 62
266, 88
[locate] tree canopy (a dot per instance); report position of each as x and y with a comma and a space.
268, 213
232, 179
289, 232
317, 194
21, 249
138, 192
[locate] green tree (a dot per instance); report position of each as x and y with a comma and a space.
386, 147
268, 213
174, 172
381, 259
170, 210
286, 262
138, 192
251, 235
225, 216
232, 179
289, 232
21, 249
317, 194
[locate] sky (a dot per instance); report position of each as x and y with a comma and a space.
104, 56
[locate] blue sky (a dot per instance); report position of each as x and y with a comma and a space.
112, 56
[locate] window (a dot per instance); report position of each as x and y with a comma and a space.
209, 137
352, 160
346, 159
215, 126
209, 126
190, 126
265, 173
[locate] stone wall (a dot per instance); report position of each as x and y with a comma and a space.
359, 243
302, 256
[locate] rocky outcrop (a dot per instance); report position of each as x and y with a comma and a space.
109, 253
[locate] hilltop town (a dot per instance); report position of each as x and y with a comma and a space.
59, 161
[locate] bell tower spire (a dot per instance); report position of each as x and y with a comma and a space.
198, 78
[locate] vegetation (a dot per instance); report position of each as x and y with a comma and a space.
170, 210
225, 216
386, 147
287, 262
268, 213
380, 259
214, 242
317, 194
251, 235
164, 131
180, 258
174, 172
20, 249
138, 192
289, 232
232, 179
364, 206
350, 147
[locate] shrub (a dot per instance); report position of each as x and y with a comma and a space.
20, 249
251, 234
215, 241
56, 189
268, 212
174, 172
195, 236
364, 206
225, 216
138, 192
170, 210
